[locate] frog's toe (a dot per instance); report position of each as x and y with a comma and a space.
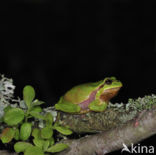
95, 106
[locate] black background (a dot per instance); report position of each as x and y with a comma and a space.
54, 45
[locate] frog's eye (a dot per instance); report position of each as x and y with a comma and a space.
109, 81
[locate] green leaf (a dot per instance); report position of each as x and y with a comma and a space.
36, 115
46, 132
49, 119
36, 133
33, 150
25, 131
17, 135
14, 116
21, 146
46, 145
63, 130
36, 109
43, 144
57, 147
28, 95
7, 108
38, 142
37, 102
7, 135
51, 141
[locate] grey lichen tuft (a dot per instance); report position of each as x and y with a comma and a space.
52, 111
138, 104
143, 103
6, 89
6, 92
129, 110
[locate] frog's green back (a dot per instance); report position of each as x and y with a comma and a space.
81, 92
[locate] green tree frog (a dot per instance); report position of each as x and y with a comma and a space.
89, 96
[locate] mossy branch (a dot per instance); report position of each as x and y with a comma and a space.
127, 124
115, 115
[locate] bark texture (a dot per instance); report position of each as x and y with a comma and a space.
133, 131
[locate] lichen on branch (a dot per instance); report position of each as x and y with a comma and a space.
115, 115
141, 126
6, 92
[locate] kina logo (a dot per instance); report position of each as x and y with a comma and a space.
138, 149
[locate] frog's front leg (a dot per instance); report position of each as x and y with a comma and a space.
97, 106
68, 107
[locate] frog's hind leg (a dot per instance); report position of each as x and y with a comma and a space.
67, 107
97, 106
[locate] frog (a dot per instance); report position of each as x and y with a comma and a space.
87, 97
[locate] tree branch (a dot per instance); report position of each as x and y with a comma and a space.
132, 132
115, 115
119, 124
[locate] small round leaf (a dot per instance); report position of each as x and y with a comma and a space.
57, 147
49, 119
63, 130
36, 115
7, 135
21, 146
33, 150
51, 141
37, 109
38, 142
25, 131
46, 145
37, 102
14, 116
46, 132
36, 133
28, 95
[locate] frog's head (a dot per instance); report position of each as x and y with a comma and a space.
111, 82
109, 89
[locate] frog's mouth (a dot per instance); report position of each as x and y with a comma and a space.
109, 93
